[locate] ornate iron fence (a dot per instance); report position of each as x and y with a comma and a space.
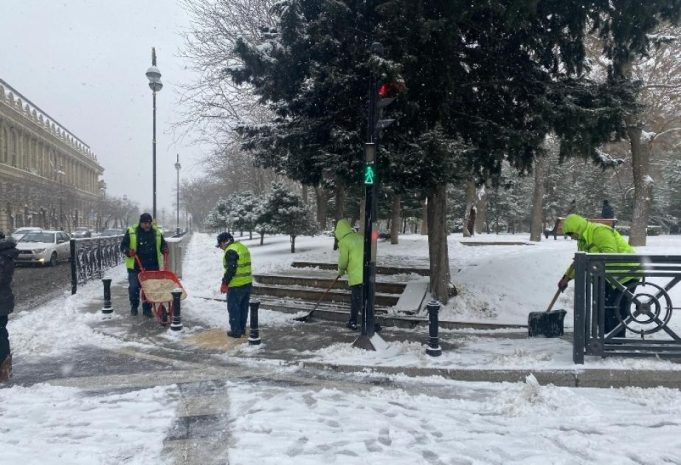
89, 257
623, 305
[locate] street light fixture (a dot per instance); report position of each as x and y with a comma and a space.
177, 167
154, 76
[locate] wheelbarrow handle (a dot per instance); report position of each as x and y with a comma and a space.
165, 261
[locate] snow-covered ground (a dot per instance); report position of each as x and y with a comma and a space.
418, 421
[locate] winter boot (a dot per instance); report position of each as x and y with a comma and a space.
6, 369
233, 334
146, 310
352, 325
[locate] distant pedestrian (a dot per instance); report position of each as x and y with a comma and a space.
236, 282
145, 241
8, 253
607, 211
350, 260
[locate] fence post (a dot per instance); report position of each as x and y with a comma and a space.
176, 324
107, 308
254, 338
74, 270
579, 338
433, 348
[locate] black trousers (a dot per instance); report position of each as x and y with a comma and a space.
4, 338
611, 312
356, 301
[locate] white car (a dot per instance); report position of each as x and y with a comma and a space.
44, 247
21, 232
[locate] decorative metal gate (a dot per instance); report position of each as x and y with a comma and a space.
89, 257
638, 303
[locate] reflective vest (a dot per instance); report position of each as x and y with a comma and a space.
132, 232
243, 265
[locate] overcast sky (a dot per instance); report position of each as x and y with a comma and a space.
84, 62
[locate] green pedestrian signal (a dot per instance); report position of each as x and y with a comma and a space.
369, 174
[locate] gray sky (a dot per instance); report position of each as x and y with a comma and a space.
83, 62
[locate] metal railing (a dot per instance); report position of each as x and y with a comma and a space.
623, 305
91, 256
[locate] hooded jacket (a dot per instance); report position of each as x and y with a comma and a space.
8, 253
595, 238
350, 253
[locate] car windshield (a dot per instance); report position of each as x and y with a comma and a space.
38, 237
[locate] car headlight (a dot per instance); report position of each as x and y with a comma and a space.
38, 251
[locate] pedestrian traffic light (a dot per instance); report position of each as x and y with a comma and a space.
387, 92
369, 173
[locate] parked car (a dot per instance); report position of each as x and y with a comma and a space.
21, 232
44, 248
112, 232
82, 232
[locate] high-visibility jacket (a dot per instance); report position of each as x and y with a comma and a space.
598, 238
243, 273
350, 253
132, 232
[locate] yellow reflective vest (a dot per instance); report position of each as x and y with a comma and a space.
243, 274
132, 232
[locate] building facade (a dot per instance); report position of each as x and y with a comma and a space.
48, 177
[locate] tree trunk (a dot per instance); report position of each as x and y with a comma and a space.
424, 217
293, 244
322, 199
339, 192
262, 238
395, 220
304, 194
471, 194
537, 223
481, 209
250, 234
437, 243
643, 183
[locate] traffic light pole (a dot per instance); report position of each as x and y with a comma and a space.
364, 341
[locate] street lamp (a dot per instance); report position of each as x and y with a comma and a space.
154, 76
177, 167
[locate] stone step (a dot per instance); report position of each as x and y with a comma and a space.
322, 283
384, 316
379, 269
313, 294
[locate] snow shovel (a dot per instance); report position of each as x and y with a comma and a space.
308, 317
548, 323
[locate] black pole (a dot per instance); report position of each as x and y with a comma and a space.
176, 324
177, 167
433, 348
74, 270
154, 154
107, 308
254, 338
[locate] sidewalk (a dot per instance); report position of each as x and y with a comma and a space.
326, 347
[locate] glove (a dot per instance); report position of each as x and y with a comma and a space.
131, 253
563, 283
224, 288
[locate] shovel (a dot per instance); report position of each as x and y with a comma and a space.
548, 323
308, 317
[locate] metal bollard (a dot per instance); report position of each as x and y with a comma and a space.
254, 338
176, 324
107, 308
433, 348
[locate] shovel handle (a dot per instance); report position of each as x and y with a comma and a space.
553, 301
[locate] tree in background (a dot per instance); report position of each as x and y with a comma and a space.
287, 214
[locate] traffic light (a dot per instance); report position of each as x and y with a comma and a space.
387, 92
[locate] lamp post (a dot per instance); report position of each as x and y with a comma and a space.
154, 76
177, 168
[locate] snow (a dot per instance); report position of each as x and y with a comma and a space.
361, 417
50, 425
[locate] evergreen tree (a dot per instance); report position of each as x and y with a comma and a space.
285, 212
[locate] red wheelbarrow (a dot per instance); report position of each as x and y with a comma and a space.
156, 289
